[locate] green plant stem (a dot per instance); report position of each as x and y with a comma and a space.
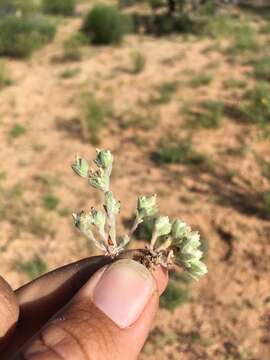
165, 245
153, 240
91, 236
135, 225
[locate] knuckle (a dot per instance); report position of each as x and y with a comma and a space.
55, 343
92, 331
83, 333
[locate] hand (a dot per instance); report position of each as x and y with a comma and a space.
92, 309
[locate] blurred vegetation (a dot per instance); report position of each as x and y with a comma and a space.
166, 91
93, 117
32, 268
19, 7
50, 202
105, 24
244, 41
4, 76
174, 296
70, 73
59, 7
138, 62
17, 130
232, 83
262, 68
256, 106
73, 47
200, 80
172, 151
266, 204
20, 36
210, 116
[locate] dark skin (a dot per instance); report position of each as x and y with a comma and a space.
28, 329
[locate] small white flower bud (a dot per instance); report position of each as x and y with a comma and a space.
146, 206
179, 230
112, 205
98, 219
104, 160
162, 226
82, 221
99, 180
80, 166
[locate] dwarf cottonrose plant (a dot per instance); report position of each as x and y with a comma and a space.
173, 242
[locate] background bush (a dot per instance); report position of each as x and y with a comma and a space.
138, 62
4, 78
10, 7
72, 47
20, 36
173, 296
257, 107
105, 24
93, 118
59, 7
177, 152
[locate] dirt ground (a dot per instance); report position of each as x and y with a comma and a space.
228, 316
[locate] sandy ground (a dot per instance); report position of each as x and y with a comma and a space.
228, 317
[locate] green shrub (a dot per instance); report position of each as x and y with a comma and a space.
244, 41
4, 78
11, 7
40, 225
33, 268
127, 3
156, 4
166, 91
164, 24
105, 24
173, 296
72, 47
50, 202
264, 165
208, 8
232, 83
177, 152
210, 116
200, 80
19, 36
187, 24
256, 108
140, 121
265, 28
59, 7
266, 204
17, 130
70, 73
220, 27
262, 69
138, 62
92, 118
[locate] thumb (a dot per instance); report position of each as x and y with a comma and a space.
109, 318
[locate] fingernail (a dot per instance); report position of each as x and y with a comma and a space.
123, 291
